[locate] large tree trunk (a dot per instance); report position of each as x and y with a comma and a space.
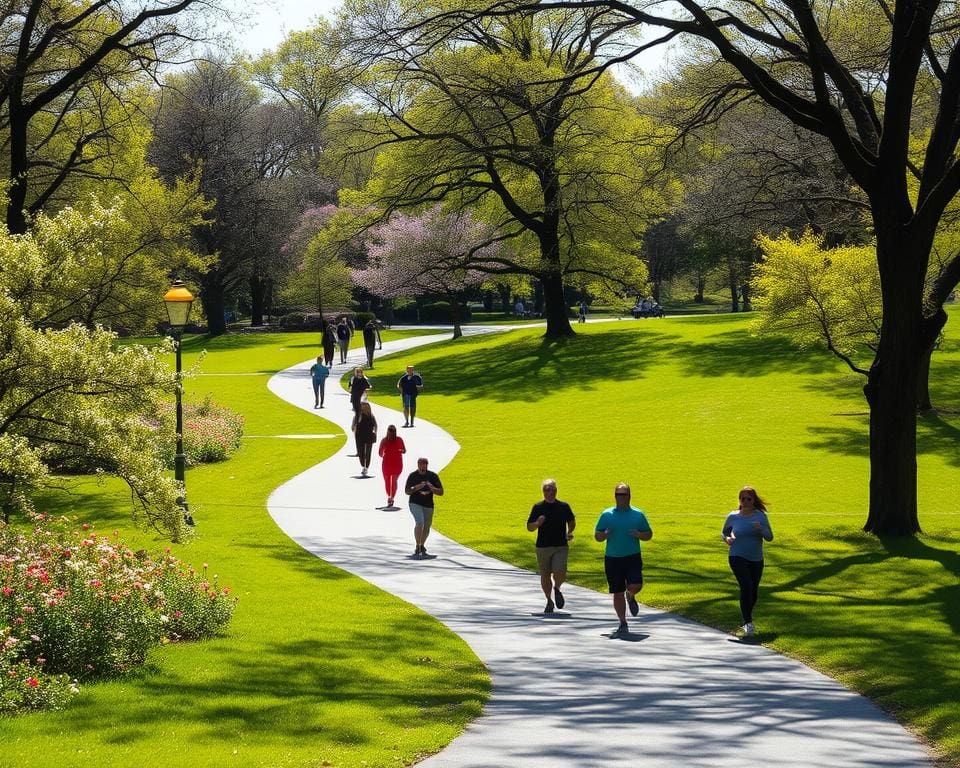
891, 388
258, 295
558, 323
213, 300
551, 283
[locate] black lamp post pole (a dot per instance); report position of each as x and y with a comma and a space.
180, 460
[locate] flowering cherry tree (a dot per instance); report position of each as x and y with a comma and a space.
430, 253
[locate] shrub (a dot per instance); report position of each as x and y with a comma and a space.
89, 606
301, 321
24, 684
211, 432
437, 312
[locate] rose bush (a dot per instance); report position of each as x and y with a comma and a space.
84, 605
211, 432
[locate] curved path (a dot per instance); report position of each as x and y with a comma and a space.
566, 695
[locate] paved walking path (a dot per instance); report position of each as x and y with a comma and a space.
566, 695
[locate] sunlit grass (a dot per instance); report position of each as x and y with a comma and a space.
688, 411
316, 668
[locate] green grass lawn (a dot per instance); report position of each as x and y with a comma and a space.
688, 410
317, 667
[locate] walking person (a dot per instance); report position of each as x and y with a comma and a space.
391, 451
582, 314
554, 521
410, 385
343, 339
744, 532
318, 375
359, 384
329, 344
370, 341
421, 486
365, 434
623, 527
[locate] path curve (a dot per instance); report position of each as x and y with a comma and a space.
565, 695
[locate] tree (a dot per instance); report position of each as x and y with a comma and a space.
103, 265
821, 296
63, 68
431, 254
855, 74
321, 278
71, 399
213, 123
498, 118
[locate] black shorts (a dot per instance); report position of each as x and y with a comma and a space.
622, 571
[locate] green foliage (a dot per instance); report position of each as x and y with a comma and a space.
89, 606
820, 296
102, 265
434, 312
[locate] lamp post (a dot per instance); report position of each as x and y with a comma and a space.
178, 301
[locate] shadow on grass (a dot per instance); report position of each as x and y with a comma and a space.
935, 436
526, 365
237, 341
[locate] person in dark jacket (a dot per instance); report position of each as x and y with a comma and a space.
370, 341
329, 344
365, 433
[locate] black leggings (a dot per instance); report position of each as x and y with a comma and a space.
748, 573
363, 453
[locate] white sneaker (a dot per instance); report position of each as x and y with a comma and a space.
748, 628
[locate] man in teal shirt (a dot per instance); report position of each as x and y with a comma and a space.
623, 527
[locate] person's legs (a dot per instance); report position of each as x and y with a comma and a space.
365, 450
370, 357
544, 562
620, 607
323, 388
359, 443
756, 573
427, 523
316, 394
558, 569
741, 570
413, 409
616, 583
406, 409
417, 511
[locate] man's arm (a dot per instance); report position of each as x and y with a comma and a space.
436, 489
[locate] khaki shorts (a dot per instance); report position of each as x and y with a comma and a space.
552, 559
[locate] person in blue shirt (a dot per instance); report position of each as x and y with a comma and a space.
623, 527
319, 373
744, 532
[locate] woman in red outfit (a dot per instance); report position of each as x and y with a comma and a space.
391, 451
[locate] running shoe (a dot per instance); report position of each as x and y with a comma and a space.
622, 631
632, 603
558, 596
549, 607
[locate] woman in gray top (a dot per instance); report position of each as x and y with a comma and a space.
744, 532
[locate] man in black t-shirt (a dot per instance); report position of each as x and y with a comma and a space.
410, 385
421, 486
554, 522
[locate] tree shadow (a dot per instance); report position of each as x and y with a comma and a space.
471, 370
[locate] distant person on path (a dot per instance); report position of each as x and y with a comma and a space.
359, 384
318, 374
391, 451
519, 309
365, 434
343, 339
421, 486
582, 315
410, 385
329, 344
623, 527
553, 520
370, 341
744, 532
